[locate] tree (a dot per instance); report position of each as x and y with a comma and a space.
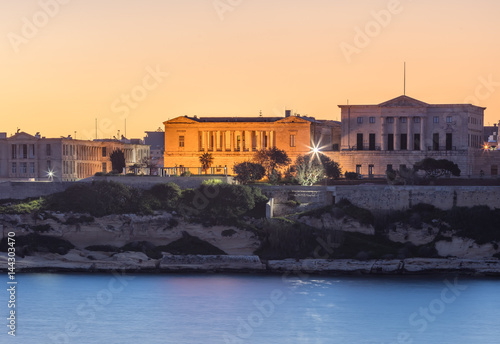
332, 168
437, 168
117, 158
309, 170
271, 159
206, 160
247, 172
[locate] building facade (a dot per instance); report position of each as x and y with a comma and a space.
233, 140
156, 141
404, 130
27, 157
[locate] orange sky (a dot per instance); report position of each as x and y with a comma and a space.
66, 62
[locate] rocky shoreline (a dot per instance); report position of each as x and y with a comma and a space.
78, 261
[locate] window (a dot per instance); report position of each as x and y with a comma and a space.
358, 169
416, 141
416, 119
371, 142
494, 170
23, 151
449, 141
372, 119
360, 120
435, 119
104, 167
390, 142
448, 119
104, 153
23, 168
49, 165
31, 151
48, 150
32, 167
389, 167
404, 141
390, 119
370, 171
14, 152
359, 142
14, 168
403, 119
402, 167
435, 141
292, 140
181, 141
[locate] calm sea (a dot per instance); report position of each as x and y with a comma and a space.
194, 309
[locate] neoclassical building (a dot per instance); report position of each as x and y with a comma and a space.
402, 131
27, 157
235, 139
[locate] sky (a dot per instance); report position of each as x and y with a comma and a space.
134, 64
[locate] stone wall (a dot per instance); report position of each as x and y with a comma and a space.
380, 197
385, 197
21, 190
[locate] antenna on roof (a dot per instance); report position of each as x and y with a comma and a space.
404, 80
260, 113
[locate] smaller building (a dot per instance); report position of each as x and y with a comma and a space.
27, 157
156, 141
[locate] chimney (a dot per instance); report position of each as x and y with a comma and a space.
3, 135
288, 113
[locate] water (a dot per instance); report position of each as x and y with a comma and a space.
194, 309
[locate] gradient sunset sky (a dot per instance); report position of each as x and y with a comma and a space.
64, 64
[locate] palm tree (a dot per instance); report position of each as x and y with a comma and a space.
206, 160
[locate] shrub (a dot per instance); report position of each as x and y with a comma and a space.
219, 203
23, 207
248, 172
332, 168
309, 170
98, 199
167, 196
186, 174
351, 175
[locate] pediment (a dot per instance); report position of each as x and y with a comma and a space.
402, 101
292, 119
180, 120
22, 136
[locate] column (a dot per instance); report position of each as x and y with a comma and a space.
422, 134
383, 138
231, 140
203, 141
208, 140
224, 140
240, 134
258, 140
397, 144
410, 133
268, 135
